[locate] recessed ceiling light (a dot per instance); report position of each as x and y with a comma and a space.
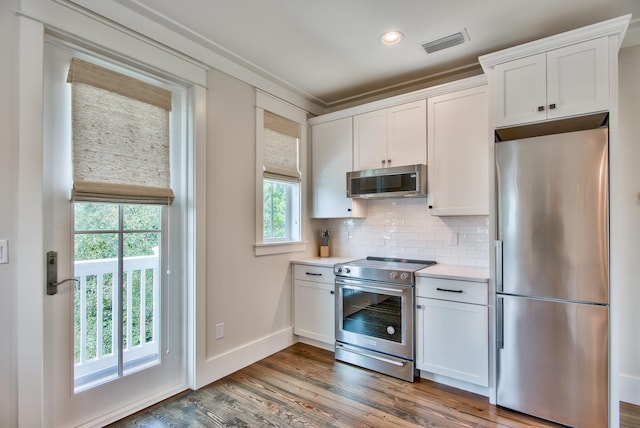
391, 37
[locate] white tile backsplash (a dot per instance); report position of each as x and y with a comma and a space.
404, 228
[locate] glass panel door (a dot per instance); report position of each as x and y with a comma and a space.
117, 293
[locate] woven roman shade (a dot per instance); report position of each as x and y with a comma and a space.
281, 138
120, 129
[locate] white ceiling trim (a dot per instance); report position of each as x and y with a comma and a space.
433, 91
611, 27
125, 19
105, 39
632, 36
166, 22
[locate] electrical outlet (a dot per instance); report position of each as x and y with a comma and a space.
219, 331
4, 251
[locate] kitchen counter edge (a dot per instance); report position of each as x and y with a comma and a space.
462, 273
323, 261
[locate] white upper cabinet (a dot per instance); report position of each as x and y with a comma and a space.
458, 142
370, 140
407, 134
331, 159
578, 79
521, 88
394, 136
567, 81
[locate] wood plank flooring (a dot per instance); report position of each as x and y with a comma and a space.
303, 386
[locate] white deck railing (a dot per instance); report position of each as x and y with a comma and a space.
96, 364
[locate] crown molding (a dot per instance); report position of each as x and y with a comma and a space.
612, 27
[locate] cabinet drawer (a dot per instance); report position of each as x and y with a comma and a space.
453, 290
314, 273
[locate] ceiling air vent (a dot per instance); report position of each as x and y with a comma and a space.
444, 42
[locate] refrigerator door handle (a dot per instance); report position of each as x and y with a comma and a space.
498, 251
500, 323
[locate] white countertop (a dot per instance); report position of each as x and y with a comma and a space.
323, 261
463, 273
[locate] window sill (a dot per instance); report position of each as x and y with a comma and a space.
267, 248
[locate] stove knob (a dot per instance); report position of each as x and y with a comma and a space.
339, 270
404, 276
393, 275
347, 270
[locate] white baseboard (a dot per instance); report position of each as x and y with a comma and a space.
231, 361
630, 389
476, 389
134, 407
317, 343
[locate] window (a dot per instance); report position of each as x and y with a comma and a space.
117, 293
280, 143
121, 195
280, 207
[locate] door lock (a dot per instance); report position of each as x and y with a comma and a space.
52, 273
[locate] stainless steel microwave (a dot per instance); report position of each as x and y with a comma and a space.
397, 181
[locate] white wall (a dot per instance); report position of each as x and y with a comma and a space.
250, 295
8, 174
626, 219
404, 228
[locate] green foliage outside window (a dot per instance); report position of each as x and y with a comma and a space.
97, 229
275, 209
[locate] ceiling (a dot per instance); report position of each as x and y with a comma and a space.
329, 51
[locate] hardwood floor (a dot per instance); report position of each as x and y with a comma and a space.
629, 416
303, 386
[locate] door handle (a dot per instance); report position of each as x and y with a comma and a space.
52, 273
375, 357
500, 323
498, 264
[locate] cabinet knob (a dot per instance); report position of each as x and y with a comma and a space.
540, 108
383, 161
332, 292
430, 207
388, 160
419, 307
349, 209
552, 106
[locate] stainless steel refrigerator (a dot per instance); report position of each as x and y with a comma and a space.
552, 284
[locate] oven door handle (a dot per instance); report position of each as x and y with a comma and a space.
374, 289
375, 357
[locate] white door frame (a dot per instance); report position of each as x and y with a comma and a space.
28, 249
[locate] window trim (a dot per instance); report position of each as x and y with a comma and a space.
266, 102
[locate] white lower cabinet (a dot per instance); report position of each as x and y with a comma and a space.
314, 303
452, 329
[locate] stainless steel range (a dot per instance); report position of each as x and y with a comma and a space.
375, 314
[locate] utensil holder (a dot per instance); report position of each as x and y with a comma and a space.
324, 251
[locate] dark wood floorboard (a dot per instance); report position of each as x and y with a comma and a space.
303, 386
